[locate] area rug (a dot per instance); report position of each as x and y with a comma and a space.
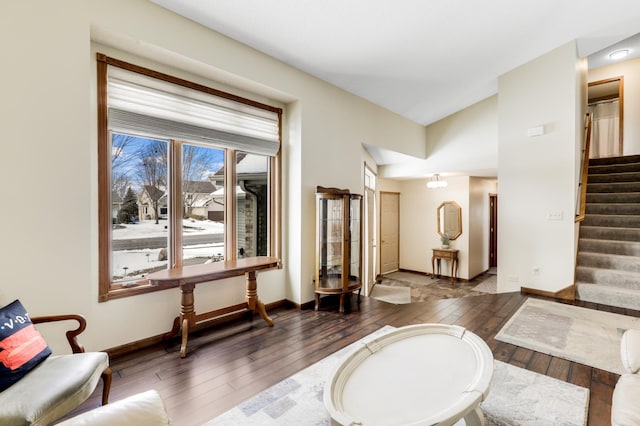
578, 334
391, 294
424, 287
490, 285
516, 397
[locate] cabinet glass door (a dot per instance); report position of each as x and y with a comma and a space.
355, 227
331, 240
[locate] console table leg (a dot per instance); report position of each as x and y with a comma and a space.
253, 302
187, 315
185, 337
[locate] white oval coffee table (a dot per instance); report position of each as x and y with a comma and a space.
416, 375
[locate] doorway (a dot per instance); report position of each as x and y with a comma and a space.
493, 231
389, 232
605, 99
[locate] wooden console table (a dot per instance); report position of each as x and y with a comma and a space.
188, 276
447, 254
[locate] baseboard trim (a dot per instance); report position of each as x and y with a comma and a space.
442, 276
567, 293
121, 350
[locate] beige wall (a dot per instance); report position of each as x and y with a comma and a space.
537, 175
418, 223
463, 143
50, 259
630, 70
479, 190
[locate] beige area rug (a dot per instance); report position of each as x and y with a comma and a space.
489, 285
391, 294
516, 397
578, 334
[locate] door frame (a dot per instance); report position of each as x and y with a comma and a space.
493, 230
370, 246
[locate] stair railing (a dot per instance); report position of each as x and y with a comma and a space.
584, 170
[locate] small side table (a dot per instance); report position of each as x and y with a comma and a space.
447, 254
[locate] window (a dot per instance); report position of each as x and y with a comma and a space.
187, 175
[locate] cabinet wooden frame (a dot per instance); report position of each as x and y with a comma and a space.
348, 277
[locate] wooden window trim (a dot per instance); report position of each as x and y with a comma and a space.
106, 289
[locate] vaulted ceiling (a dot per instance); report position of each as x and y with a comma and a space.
423, 59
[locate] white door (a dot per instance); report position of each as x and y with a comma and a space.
389, 232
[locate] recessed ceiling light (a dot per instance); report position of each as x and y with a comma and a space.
618, 54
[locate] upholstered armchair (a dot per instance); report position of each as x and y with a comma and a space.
625, 409
57, 385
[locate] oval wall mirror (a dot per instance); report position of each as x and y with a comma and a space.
449, 219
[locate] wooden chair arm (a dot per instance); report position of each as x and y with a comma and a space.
76, 346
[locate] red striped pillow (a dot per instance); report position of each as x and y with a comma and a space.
22, 347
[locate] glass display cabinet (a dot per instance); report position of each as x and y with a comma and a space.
338, 244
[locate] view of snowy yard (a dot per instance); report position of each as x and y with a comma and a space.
136, 263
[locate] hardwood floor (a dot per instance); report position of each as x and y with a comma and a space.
233, 362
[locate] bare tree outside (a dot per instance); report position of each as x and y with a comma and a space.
153, 172
123, 164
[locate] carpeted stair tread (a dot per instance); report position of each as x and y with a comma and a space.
613, 187
608, 277
614, 177
614, 160
609, 233
609, 261
613, 197
624, 248
612, 296
611, 220
613, 208
614, 168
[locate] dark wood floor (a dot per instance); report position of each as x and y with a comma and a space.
233, 362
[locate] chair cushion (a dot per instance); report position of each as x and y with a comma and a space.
22, 347
143, 409
52, 389
630, 350
625, 409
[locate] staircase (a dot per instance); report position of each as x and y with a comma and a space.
608, 269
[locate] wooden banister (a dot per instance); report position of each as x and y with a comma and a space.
584, 170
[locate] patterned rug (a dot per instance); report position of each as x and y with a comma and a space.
489, 285
391, 294
516, 397
578, 334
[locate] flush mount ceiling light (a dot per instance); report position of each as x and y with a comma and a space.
436, 181
618, 54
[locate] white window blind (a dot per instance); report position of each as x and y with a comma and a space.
149, 107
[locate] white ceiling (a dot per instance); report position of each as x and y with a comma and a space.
423, 59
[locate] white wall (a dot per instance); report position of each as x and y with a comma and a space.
630, 70
418, 223
479, 212
50, 257
537, 176
463, 143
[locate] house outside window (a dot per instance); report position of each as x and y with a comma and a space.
170, 172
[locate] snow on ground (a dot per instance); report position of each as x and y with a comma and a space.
149, 228
138, 263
